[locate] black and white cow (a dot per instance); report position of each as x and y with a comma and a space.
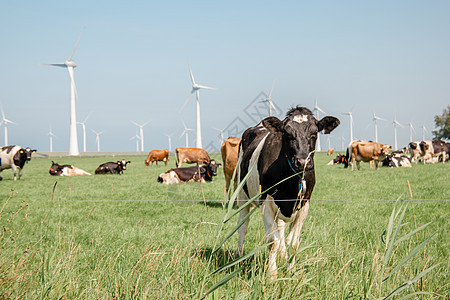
203, 172
434, 151
66, 170
280, 149
395, 160
339, 160
14, 157
112, 167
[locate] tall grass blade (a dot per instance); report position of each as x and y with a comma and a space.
244, 257
235, 229
392, 240
405, 237
223, 281
390, 226
408, 283
408, 257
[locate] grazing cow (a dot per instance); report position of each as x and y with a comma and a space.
396, 160
191, 156
203, 172
14, 157
434, 149
273, 151
112, 167
339, 160
66, 170
157, 155
366, 152
330, 151
230, 150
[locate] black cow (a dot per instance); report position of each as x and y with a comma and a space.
280, 149
339, 160
14, 157
112, 167
203, 172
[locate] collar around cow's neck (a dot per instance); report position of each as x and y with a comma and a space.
300, 178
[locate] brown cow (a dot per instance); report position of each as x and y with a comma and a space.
330, 151
157, 155
191, 156
230, 150
367, 152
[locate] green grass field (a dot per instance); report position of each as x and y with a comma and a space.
129, 237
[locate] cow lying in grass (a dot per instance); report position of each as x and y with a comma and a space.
203, 172
66, 170
396, 160
112, 167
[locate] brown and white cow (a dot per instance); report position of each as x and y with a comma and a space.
191, 156
66, 170
367, 152
278, 157
157, 155
414, 150
203, 172
230, 150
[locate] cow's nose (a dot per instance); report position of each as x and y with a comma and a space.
303, 163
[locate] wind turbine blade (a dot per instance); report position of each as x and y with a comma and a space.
321, 110
192, 75
135, 123
273, 106
9, 121
206, 87
56, 65
76, 45
271, 89
187, 99
143, 125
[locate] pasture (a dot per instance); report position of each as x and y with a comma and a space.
129, 237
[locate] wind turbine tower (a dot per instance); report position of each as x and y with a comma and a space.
5, 123
375, 119
395, 122
350, 114
141, 132
69, 64
424, 129
196, 89
51, 135
185, 133
221, 135
169, 136
316, 110
97, 138
136, 137
83, 125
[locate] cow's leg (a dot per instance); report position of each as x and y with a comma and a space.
358, 164
20, 172
295, 230
272, 236
377, 166
243, 229
282, 250
14, 169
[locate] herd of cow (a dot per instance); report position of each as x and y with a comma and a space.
275, 163
372, 152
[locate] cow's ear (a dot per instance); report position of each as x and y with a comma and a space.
128, 162
34, 150
328, 124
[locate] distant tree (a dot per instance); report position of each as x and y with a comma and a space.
442, 131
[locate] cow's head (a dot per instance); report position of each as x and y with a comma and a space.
300, 130
23, 156
123, 164
385, 149
55, 169
209, 169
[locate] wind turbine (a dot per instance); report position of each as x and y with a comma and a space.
375, 119
83, 125
395, 122
185, 132
136, 136
316, 110
269, 100
97, 138
221, 135
5, 123
69, 64
169, 136
350, 114
424, 129
196, 89
411, 129
51, 135
141, 132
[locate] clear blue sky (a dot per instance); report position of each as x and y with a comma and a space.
387, 57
